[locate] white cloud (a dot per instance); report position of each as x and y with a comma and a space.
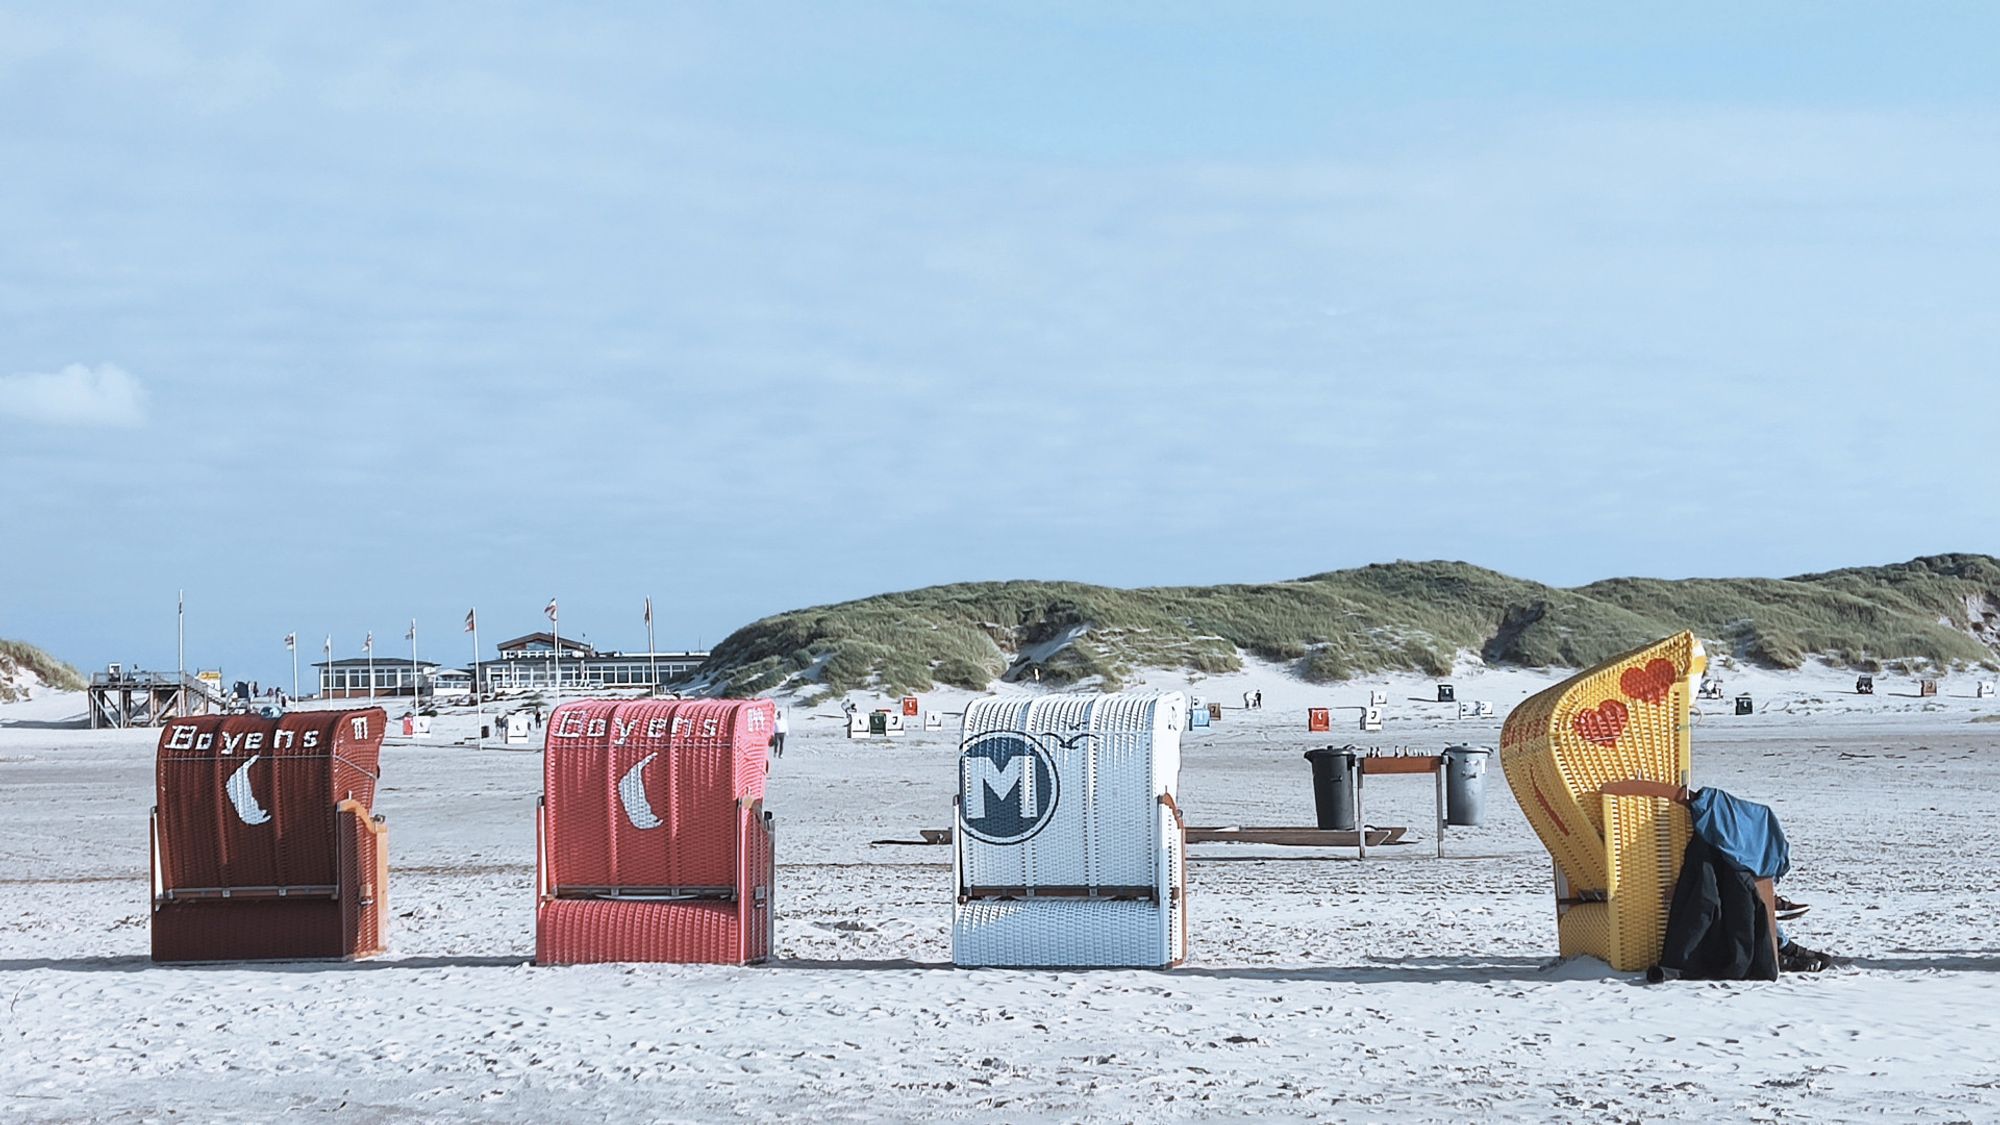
105, 395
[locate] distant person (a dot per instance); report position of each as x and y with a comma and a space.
1260, 699
1246, 701
780, 729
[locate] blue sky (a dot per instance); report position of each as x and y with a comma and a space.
341, 316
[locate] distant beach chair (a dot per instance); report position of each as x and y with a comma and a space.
264, 846
1069, 849
1616, 857
652, 843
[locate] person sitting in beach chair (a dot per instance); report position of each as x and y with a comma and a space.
1601, 765
1725, 921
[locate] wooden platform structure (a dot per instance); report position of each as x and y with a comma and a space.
135, 698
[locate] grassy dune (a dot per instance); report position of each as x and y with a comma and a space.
16, 656
1940, 611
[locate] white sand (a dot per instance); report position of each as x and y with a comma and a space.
1402, 989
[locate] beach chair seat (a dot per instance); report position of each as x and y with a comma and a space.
652, 843
1069, 848
1616, 857
264, 843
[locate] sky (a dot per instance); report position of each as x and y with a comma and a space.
341, 316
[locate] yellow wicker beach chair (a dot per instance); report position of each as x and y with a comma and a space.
1616, 857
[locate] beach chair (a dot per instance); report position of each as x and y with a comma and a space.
264, 845
652, 843
1616, 856
1069, 849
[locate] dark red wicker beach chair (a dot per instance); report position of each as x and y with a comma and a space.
265, 846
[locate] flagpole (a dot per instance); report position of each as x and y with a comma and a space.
326, 674
652, 652
478, 700
416, 688
181, 612
371, 664
294, 646
555, 630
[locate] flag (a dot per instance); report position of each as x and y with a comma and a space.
649, 611
551, 609
328, 646
369, 644
471, 621
292, 642
412, 634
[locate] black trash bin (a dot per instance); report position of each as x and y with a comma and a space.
1333, 786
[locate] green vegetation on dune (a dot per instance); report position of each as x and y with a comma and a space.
1415, 616
16, 656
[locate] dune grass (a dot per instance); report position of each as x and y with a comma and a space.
1937, 612
17, 655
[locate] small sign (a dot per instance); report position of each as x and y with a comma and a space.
1319, 719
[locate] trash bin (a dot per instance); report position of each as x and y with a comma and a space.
1465, 785
1333, 787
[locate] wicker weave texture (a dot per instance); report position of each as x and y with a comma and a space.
726, 930
590, 931
1100, 878
245, 801
351, 921
264, 847
655, 846
645, 794
1113, 756
1061, 933
1625, 719
1645, 839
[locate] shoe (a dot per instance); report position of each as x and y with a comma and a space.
1796, 958
1788, 910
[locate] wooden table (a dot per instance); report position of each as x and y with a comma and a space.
1367, 764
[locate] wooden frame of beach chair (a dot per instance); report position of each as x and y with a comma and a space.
1616, 856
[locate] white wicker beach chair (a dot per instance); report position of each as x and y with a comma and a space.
1069, 849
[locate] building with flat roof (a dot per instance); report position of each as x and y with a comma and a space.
529, 663
349, 678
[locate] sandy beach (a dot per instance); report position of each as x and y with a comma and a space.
1403, 988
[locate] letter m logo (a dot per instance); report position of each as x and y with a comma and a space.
1007, 787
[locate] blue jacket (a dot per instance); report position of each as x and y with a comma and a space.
1746, 833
